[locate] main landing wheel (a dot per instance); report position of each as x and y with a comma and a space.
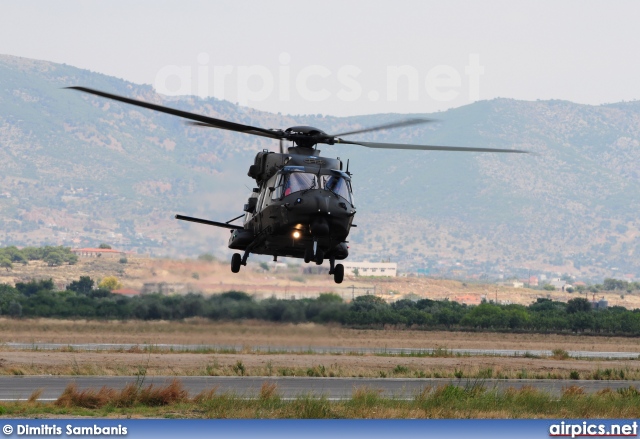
338, 273
319, 257
236, 261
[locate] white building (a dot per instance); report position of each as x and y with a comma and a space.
381, 269
558, 283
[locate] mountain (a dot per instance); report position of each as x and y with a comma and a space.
79, 170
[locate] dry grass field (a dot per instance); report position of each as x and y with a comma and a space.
252, 333
248, 334
214, 277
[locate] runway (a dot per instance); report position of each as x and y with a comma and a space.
314, 350
14, 388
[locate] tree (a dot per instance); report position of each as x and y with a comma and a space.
15, 309
32, 287
72, 259
105, 246
329, 298
54, 259
8, 294
83, 286
614, 284
368, 303
110, 283
485, 315
6, 263
239, 296
579, 304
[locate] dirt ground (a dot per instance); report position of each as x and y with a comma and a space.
182, 364
250, 334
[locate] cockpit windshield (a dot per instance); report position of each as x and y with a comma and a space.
302, 181
299, 181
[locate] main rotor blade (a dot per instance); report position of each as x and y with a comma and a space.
206, 120
429, 147
398, 124
269, 134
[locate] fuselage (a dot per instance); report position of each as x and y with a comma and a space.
301, 201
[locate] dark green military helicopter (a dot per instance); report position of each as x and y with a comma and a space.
303, 204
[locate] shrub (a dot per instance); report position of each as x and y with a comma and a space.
399, 369
559, 354
110, 283
207, 257
239, 368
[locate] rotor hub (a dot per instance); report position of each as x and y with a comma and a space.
307, 137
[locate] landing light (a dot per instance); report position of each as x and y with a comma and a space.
296, 234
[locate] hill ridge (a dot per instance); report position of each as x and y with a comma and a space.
80, 170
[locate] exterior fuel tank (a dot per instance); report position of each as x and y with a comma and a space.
240, 239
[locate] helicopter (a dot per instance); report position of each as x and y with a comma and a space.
302, 205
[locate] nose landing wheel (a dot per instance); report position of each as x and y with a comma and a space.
308, 255
315, 254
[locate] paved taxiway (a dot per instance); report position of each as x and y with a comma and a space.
21, 387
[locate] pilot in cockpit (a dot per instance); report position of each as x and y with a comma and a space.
332, 183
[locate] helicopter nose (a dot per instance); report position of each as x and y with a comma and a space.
321, 201
320, 226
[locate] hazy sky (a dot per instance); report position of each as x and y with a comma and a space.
343, 57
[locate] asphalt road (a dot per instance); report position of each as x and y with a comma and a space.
21, 387
313, 350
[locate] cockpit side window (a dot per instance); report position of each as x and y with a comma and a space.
278, 187
339, 186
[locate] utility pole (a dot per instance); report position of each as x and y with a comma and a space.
354, 288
